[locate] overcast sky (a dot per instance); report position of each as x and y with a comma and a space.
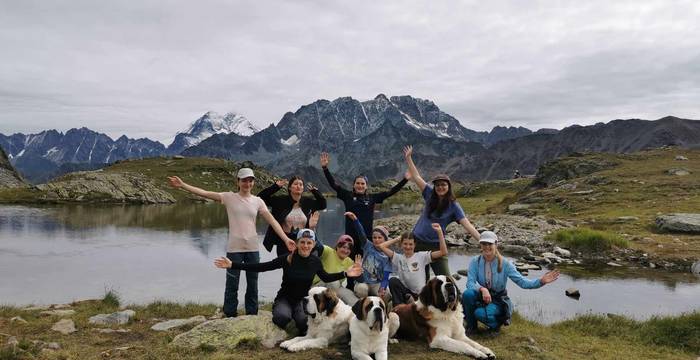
149, 68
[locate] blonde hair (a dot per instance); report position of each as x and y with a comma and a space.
500, 260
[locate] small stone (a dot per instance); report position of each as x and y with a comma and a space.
561, 252
53, 346
116, 318
18, 319
12, 341
695, 268
112, 331
613, 264
681, 158
626, 219
178, 157
652, 265
678, 172
572, 292
64, 326
176, 323
59, 313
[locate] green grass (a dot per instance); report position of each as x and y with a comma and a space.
111, 298
682, 332
583, 337
588, 240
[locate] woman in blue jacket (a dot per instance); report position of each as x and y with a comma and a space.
485, 299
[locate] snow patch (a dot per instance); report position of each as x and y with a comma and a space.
20, 153
213, 123
51, 151
293, 140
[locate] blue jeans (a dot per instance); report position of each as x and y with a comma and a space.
475, 310
232, 279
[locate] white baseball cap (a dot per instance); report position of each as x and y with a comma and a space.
488, 237
245, 173
307, 233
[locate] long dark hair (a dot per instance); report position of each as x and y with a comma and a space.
291, 181
436, 204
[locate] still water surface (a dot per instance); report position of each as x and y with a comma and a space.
62, 253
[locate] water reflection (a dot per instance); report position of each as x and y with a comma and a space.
62, 253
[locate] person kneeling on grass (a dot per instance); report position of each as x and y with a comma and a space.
298, 271
408, 276
485, 299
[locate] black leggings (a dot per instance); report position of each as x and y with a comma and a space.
284, 311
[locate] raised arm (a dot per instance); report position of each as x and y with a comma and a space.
385, 247
467, 225
325, 159
177, 183
319, 200
443, 245
415, 175
225, 263
379, 197
291, 245
358, 228
354, 270
266, 194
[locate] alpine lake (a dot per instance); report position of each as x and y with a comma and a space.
62, 253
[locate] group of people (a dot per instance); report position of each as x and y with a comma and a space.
362, 262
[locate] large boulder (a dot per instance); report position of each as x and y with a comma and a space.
176, 323
679, 222
228, 333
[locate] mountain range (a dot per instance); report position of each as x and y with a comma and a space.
363, 137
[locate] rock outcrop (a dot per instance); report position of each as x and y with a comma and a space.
99, 186
9, 178
228, 333
679, 222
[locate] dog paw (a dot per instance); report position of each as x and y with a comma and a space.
284, 344
479, 355
393, 341
489, 353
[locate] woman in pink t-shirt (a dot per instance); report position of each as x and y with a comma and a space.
242, 209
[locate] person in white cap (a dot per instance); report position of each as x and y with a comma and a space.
298, 271
242, 209
485, 298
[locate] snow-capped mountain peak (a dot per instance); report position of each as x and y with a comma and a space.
209, 124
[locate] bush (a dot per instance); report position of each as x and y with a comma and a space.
111, 298
584, 239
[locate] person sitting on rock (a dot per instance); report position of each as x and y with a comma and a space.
485, 298
408, 273
298, 271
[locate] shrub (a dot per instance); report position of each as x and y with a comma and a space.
584, 239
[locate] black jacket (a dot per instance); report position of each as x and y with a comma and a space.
281, 207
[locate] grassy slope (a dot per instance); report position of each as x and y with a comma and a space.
585, 337
638, 186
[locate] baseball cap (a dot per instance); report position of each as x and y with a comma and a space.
245, 173
442, 177
488, 237
344, 239
307, 233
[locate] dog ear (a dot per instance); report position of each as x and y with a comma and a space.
331, 300
358, 308
426, 294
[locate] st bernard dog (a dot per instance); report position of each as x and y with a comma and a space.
437, 316
371, 328
328, 318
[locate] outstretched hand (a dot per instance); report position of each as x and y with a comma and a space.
223, 263
356, 269
407, 151
325, 159
281, 182
313, 220
351, 215
311, 187
549, 277
291, 245
437, 228
175, 181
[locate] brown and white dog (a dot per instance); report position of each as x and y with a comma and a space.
328, 319
371, 328
437, 316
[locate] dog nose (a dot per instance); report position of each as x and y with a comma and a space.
378, 314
